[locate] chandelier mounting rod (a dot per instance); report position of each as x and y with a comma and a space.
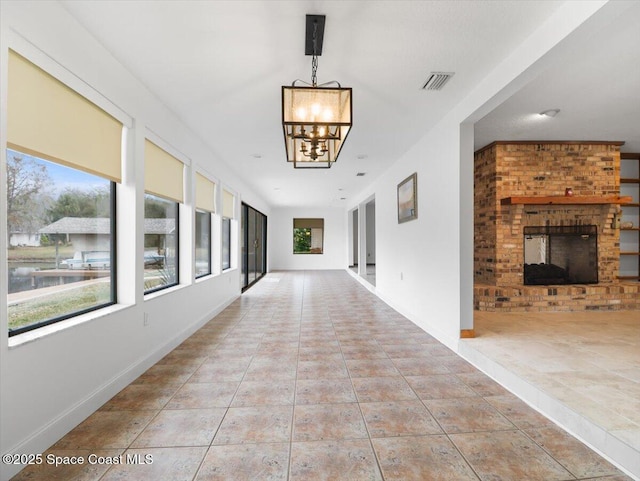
318, 20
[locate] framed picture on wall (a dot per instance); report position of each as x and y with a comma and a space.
408, 199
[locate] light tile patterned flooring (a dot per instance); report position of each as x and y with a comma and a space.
308, 376
588, 361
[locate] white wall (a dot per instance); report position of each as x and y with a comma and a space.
417, 262
335, 255
424, 268
52, 378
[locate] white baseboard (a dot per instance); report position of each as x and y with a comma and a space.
50, 433
448, 341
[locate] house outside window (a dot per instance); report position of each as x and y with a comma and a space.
308, 236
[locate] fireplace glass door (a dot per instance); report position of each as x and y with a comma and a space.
560, 255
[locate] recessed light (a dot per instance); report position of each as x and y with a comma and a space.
550, 112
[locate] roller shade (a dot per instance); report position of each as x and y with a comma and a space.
308, 223
162, 173
47, 119
205, 193
228, 201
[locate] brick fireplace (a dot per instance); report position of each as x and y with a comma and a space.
520, 187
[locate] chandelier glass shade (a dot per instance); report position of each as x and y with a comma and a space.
316, 122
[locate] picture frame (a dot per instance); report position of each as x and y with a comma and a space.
408, 199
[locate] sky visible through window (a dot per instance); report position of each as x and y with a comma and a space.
63, 178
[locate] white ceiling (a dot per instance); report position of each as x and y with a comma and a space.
597, 89
219, 66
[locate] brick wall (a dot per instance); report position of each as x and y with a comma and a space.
505, 169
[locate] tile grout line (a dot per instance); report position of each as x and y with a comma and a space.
295, 386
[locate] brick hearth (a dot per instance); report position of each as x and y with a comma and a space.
542, 169
600, 297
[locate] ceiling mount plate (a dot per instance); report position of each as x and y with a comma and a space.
308, 43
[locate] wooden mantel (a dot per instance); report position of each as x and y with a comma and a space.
566, 200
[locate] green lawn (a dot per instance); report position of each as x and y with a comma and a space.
35, 254
58, 304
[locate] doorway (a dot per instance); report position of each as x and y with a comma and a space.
354, 241
370, 241
254, 245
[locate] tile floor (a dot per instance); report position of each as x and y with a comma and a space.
308, 376
588, 362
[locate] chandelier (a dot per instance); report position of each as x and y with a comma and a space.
315, 118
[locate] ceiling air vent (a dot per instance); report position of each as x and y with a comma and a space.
360, 174
437, 80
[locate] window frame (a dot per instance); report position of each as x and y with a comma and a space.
310, 227
114, 273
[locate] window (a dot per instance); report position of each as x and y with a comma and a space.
160, 243
226, 243
308, 236
163, 184
228, 213
203, 244
61, 255
205, 205
63, 163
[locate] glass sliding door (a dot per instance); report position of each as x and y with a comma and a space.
254, 245
251, 246
260, 242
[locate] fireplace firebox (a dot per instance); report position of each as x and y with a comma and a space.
560, 255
